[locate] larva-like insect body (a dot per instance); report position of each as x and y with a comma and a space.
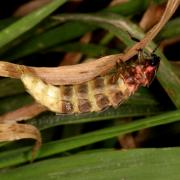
95, 95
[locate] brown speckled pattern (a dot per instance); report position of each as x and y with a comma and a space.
104, 94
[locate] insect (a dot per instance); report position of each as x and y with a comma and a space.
91, 96
98, 94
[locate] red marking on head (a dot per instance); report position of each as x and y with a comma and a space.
139, 75
150, 69
144, 75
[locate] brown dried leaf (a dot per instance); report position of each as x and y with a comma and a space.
11, 132
74, 74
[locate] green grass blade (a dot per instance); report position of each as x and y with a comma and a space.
92, 50
26, 23
160, 164
6, 22
21, 155
125, 111
116, 24
49, 39
142, 103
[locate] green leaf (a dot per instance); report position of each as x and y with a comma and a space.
48, 120
128, 8
142, 103
92, 50
160, 164
114, 23
26, 23
21, 155
49, 38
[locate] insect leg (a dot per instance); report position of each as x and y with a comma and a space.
140, 51
120, 68
11, 132
132, 37
140, 56
155, 49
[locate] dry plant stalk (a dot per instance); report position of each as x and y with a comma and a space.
79, 74
12, 132
74, 74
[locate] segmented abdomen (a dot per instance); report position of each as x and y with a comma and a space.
94, 95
